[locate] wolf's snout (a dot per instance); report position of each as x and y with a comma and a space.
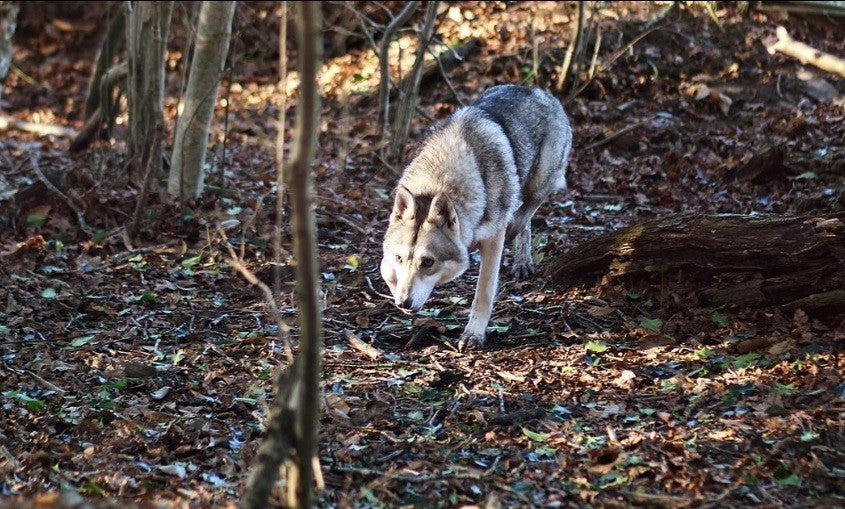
406, 304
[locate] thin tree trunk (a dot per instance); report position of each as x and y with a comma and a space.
8, 21
405, 113
212, 44
569, 60
114, 35
384, 70
294, 418
309, 41
280, 153
146, 36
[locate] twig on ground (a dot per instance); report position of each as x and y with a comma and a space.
806, 54
7, 124
283, 329
80, 214
367, 349
604, 141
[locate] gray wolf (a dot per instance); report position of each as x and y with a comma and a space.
476, 181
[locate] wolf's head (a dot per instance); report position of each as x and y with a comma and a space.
422, 248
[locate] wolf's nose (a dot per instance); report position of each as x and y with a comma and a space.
405, 304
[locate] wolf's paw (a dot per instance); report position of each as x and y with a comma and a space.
522, 270
470, 340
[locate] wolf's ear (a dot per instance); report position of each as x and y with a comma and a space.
404, 206
442, 213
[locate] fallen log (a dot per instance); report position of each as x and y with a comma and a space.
762, 260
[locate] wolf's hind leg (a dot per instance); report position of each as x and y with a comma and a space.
522, 265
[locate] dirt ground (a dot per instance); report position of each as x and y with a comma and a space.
142, 376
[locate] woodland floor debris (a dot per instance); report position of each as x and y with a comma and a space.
143, 375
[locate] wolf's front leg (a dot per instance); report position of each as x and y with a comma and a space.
485, 292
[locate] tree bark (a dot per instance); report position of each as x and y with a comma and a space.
301, 185
8, 21
408, 98
294, 419
384, 70
212, 44
115, 33
734, 259
146, 35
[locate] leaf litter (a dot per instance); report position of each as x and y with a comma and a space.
144, 376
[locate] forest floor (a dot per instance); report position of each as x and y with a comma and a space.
142, 375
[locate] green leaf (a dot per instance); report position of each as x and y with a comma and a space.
596, 346
178, 356
190, 262
36, 220
720, 319
784, 477
83, 340
651, 324
415, 415
49, 293
352, 262
498, 328
656, 269
533, 435
634, 295
90, 488
809, 436
704, 353
784, 389
548, 452
32, 404
99, 236
745, 360
147, 298
807, 175
4, 329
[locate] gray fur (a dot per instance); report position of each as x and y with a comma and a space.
490, 165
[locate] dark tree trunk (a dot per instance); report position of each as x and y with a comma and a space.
734, 259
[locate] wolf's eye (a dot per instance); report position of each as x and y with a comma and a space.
426, 262
399, 258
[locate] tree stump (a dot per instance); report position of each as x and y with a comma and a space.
762, 260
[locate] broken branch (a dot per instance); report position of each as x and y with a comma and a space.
806, 54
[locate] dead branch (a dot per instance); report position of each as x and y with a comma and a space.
763, 260
384, 76
115, 33
367, 349
409, 92
445, 76
80, 215
7, 124
444, 61
806, 54
103, 110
